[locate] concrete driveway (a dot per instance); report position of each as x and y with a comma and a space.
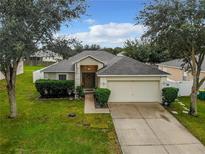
147, 128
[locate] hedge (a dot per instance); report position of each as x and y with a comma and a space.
102, 96
54, 88
169, 95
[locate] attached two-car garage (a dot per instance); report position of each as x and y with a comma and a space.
134, 91
131, 81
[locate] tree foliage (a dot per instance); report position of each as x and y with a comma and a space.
24, 26
145, 51
179, 26
91, 47
65, 47
114, 51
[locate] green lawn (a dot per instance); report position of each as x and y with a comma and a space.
43, 126
196, 125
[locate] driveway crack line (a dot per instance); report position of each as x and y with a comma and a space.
152, 130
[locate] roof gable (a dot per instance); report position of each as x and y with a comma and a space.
102, 56
88, 56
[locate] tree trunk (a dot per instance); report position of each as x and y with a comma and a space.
12, 100
10, 76
193, 105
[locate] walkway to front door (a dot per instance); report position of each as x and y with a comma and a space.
147, 128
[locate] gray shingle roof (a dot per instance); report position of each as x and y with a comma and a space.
114, 65
128, 66
68, 65
178, 63
103, 56
63, 66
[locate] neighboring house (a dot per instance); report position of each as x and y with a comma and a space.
129, 80
178, 77
19, 70
177, 73
44, 57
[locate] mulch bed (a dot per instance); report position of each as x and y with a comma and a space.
54, 98
97, 105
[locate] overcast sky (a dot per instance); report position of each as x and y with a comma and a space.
107, 23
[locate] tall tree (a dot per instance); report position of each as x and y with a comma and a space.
64, 47
114, 51
91, 47
136, 50
179, 26
24, 26
145, 51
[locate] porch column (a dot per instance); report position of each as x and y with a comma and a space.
77, 74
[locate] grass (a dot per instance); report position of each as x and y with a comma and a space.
196, 125
43, 126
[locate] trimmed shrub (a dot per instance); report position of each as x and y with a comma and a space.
79, 91
201, 94
169, 95
54, 88
102, 96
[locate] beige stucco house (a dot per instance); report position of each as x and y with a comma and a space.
177, 73
20, 70
129, 80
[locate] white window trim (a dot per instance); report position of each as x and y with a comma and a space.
57, 75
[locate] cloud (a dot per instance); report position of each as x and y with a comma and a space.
90, 21
111, 34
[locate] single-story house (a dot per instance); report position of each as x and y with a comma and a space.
20, 70
43, 57
177, 73
129, 80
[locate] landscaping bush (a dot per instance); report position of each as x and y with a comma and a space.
201, 94
169, 95
79, 91
102, 96
54, 88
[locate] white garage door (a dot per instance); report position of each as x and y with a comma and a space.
134, 91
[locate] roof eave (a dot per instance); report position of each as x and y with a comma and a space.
170, 66
143, 75
58, 71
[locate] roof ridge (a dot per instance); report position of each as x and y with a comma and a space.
132, 67
108, 66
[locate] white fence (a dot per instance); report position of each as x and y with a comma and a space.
1, 76
183, 86
20, 70
37, 75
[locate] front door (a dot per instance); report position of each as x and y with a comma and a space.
88, 80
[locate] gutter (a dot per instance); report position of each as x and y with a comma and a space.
161, 75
